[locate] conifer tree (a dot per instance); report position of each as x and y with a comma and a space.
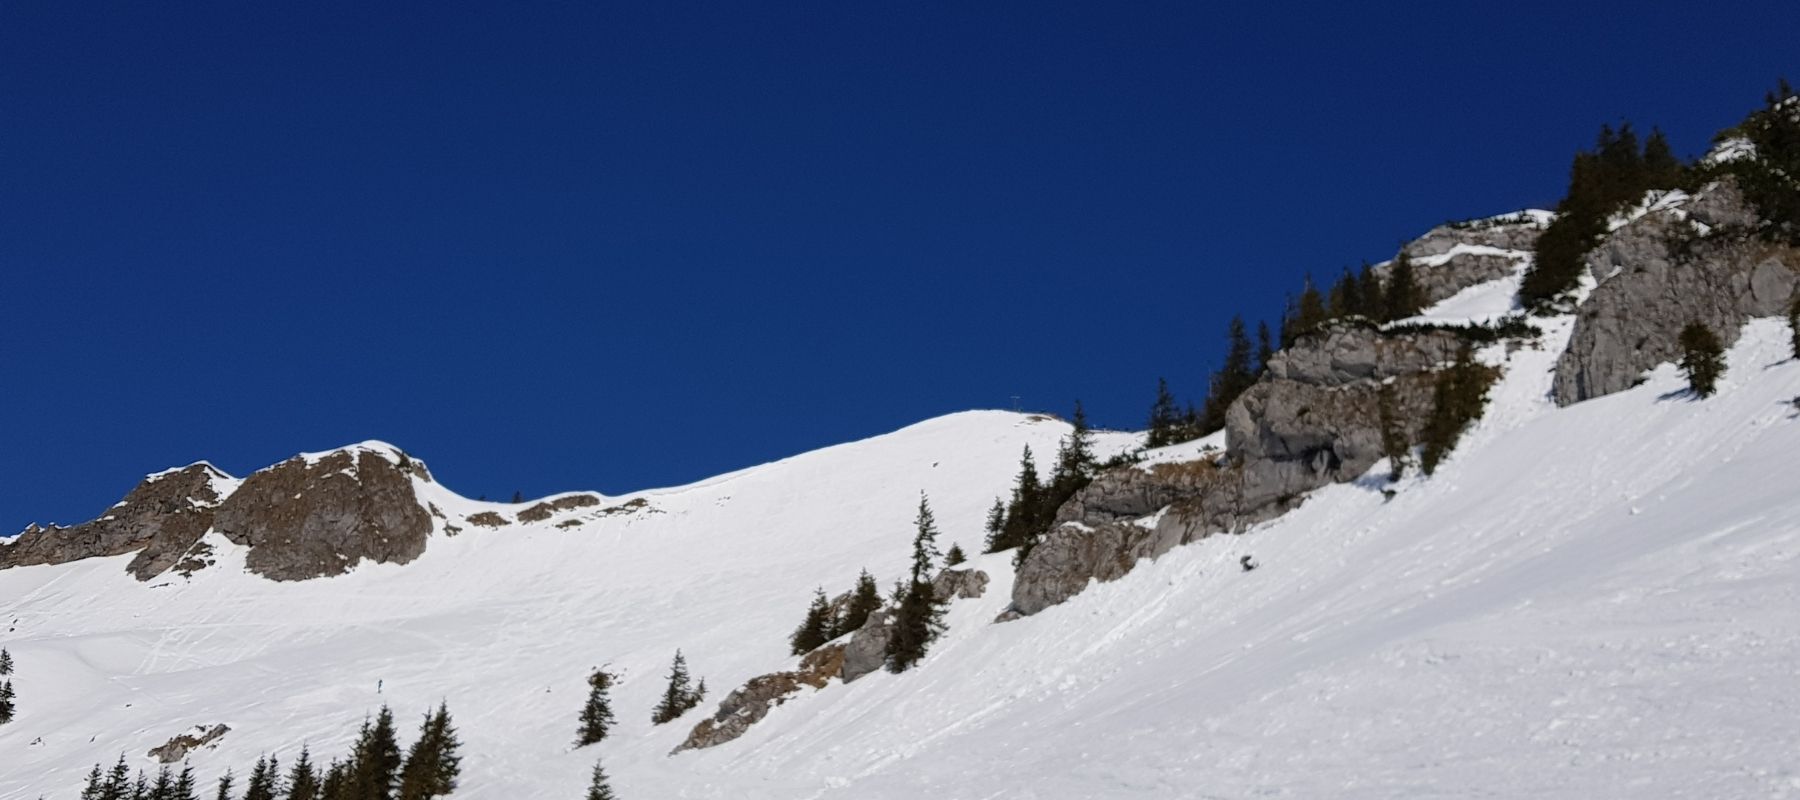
6, 663
1075, 454
1312, 312
598, 788
302, 780
163, 786
432, 765
919, 618
1373, 296
597, 714
336, 782
996, 522
955, 556
1794, 326
1457, 400
1164, 417
1265, 349
185, 786
224, 786
1403, 296
140, 788
679, 696
8, 706
1232, 379
816, 629
96, 785
1022, 514
864, 600
518, 497
264, 777
1702, 358
376, 760
1345, 298
1662, 170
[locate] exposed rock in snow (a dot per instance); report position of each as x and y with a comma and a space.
748, 704
1658, 273
866, 651
164, 514
318, 515
181, 745
959, 584
1451, 258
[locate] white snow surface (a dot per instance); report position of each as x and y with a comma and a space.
1596, 601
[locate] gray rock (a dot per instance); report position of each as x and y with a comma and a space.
307, 520
1462, 270
163, 516
1656, 275
866, 651
966, 584
748, 704
179, 747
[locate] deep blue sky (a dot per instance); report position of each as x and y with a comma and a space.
589, 246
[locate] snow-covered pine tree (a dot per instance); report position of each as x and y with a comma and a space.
597, 714
598, 788
919, 618
8, 707
6, 663
816, 629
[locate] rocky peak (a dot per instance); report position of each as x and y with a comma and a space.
319, 514
172, 506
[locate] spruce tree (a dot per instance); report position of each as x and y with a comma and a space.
264, 777
1232, 379
1345, 298
1312, 312
1662, 170
1702, 358
598, 788
432, 765
955, 556
1165, 419
679, 696
224, 792
1024, 512
1403, 296
919, 618
96, 784
8, 706
335, 784
597, 714
518, 497
1458, 398
1265, 349
376, 761
996, 522
185, 786
1373, 297
864, 600
816, 629
140, 788
163, 786
117, 785
1075, 455
1794, 326
302, 780
6, 663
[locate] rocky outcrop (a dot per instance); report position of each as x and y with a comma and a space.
748, 704
180, 746
1453, 257
866, 651
314, 516
1313, 419
542, 511
163, 516
1663, 271
959, 584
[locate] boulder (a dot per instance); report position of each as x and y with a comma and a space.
1663, 271
178, 747
866, 651
748, 704
966, 584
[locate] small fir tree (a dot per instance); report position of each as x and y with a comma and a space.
955, 556
1458, 398
1311, 313
598, 788
1404, 298
865, 599
263, 780
996, 522
302, 779
1265, 349
335, 782
8, 706
6, 663
375, 763
432, 765
518, 497
1373, 296
919, 618
186, 786
163, 786
1232, 379
597, 714
1022, 514
1702, 358
679, 696
816, 629
225, 781
1794, 326
1165, 418
1075, 455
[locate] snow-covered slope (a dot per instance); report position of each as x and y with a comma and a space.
1595, 601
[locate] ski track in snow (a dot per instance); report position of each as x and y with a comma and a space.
1596, 601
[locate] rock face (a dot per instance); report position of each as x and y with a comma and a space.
866, 651
748, 704
1454, 257
964, 584
1314, 418
179, 747
1659, 273
164, 516
310, 517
